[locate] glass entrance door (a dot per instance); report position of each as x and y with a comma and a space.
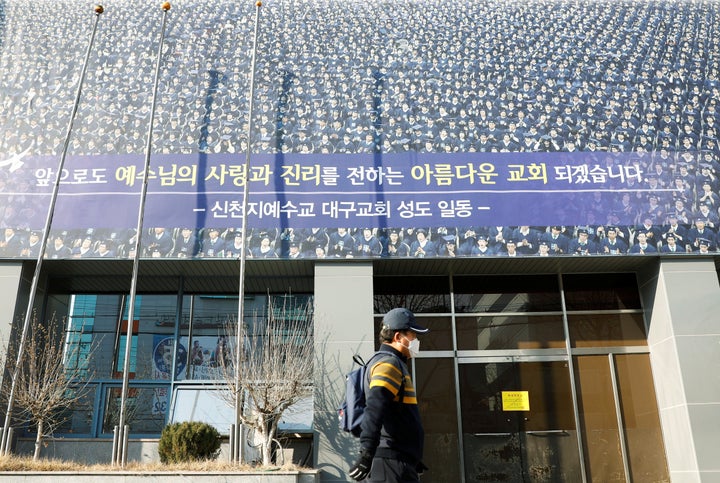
518, 421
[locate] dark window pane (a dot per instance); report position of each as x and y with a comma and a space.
435, 386
438, 339
146, 409
607, 330
526, 293
78, 422
603, 291
641, 418
419, 294
601, 438
510, 332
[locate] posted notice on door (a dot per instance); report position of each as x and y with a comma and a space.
515, 401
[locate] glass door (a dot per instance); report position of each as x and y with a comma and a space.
518, 421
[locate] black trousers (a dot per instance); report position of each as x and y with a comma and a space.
386, 470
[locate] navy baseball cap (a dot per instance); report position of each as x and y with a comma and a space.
402, 319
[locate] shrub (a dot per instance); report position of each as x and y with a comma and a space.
188, 441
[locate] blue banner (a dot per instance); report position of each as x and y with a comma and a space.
327, 190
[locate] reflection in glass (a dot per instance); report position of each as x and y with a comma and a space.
145, 411
96, 324
534, 441
641, 419
510, 332
419, 294
435, 384
79, 415
153, 339
91, 327
79, 335
603, 291
607, 330
598, 420
212, 317
528, 293
440, 328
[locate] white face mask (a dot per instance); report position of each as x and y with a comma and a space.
413, 347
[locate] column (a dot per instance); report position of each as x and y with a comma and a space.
343, 327
13, 300
682, 303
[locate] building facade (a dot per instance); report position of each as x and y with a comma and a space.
531, 370
538, 181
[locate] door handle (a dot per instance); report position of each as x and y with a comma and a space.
493, 434
546, 432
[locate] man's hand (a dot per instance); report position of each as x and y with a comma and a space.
360, 470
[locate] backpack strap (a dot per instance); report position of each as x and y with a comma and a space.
386, 355
367, 366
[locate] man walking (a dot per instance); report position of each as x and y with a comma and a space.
392, 434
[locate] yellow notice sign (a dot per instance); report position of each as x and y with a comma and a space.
515, 401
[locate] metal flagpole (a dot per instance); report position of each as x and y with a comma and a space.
236, 453
120, 435
4, 440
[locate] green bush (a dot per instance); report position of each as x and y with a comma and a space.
188, 441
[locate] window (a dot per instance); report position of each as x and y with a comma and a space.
95, 339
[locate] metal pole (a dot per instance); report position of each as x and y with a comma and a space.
116, 439
4, 443
122, 454
237, 435
573, 386
618, 415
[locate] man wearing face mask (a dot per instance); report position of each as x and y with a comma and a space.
392, 433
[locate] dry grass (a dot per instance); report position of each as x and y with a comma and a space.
18, 463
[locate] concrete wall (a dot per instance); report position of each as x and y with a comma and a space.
11, 300
10, 281
162, 477
90, 451
343, 327
169, 477
94, 451
682, 300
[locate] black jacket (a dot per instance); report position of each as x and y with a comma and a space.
391, 426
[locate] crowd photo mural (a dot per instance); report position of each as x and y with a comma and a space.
488, 129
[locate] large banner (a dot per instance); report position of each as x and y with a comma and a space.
100, 195
329, 190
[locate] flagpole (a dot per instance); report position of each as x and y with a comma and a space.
4, 443
120, 435
236, 454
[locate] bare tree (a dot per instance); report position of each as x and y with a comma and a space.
276, 370
52, 377
112, 410
414, 302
